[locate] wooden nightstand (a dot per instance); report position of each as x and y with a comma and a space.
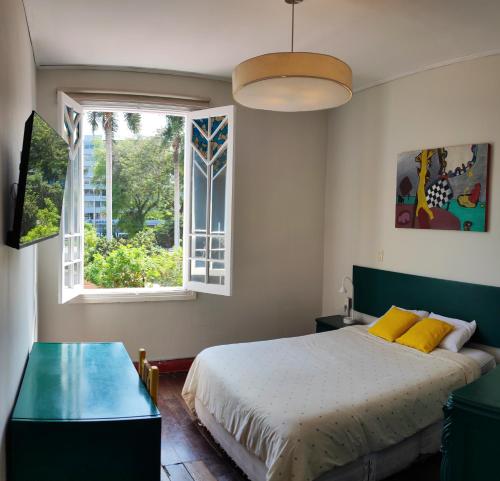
332, 323
471, 430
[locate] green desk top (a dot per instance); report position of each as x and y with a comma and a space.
81, 382
483, 393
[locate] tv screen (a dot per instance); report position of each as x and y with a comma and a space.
40, 192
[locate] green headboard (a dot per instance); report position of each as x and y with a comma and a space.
376, 290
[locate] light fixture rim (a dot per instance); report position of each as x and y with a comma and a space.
262, 79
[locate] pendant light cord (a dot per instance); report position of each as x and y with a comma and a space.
293, 22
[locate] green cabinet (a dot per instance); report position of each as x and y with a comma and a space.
471, 434
83, 414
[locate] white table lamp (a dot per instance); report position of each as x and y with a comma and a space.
348, 319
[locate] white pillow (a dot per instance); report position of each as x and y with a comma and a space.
463, 331
420, 314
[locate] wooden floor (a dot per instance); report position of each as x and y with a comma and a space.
189, 453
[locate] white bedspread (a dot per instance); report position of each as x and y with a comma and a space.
307, 404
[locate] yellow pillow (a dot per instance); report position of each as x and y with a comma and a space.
426, 335
393, 324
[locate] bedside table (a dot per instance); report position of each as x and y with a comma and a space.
470, 435
332, 323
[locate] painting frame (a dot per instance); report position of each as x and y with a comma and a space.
444, 188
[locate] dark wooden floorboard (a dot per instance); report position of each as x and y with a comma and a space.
188, 448
164, 476
178, 472
199, 471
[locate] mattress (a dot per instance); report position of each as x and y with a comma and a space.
372, 467
304, 406
485, 360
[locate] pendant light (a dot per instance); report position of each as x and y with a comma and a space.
292, 81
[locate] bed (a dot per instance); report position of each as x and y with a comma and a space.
338, 406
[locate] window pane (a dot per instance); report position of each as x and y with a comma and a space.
75, 226
200, 143
199, 196
199, 245
217, 249
220, 162
68, 199
76, 273
68, 276
200, 162
75, 248
216, 273
67, 249
219, 140
198, 270
216, 121
202, 125
219, 202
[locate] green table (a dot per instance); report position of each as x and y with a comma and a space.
83, 414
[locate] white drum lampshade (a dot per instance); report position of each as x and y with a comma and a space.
292, 82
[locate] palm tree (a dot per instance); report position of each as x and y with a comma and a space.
109, 124
173, 137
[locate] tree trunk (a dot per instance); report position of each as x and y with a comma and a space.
108, 131
177, 197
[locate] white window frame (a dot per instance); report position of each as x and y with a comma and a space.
226, 288
77, 293
73, 233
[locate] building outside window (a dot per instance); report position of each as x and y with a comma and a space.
94, 193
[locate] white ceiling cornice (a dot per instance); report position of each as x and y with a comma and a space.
467, 58
115, 68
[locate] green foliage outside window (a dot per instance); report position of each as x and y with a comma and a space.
146, 189
135, 262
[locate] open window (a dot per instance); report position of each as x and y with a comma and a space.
196, 255
71, 238
209, 197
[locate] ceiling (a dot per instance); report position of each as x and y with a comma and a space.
380, 39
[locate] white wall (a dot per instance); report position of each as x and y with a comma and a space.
17, 288
451, 105
278, 243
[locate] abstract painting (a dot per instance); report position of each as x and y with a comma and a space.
443, 188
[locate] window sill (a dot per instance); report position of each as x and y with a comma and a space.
107, 296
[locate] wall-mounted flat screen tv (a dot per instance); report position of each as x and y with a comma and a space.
40, 190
